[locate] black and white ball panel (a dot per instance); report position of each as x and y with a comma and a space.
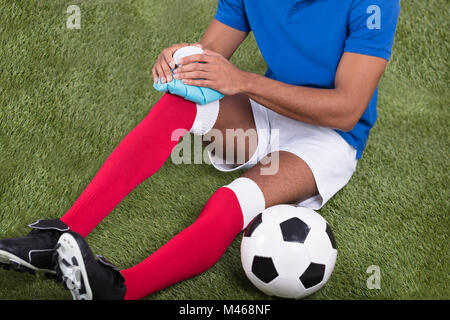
313, 275
294, 230
264, 269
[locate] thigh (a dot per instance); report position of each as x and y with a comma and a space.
234, 123
284, 179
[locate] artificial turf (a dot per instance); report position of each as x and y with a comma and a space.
68, 97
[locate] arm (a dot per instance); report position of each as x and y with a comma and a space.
222, 39
341, 108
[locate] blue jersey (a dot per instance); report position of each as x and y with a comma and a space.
303, 41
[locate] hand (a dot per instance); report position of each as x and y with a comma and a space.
213, 71
164, 63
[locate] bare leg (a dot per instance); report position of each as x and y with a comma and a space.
293, 182
236, 113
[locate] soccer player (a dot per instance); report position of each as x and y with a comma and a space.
312, 111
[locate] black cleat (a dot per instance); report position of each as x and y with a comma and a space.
87, 277
33, 253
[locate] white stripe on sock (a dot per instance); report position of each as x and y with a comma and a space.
250, 197
206, 118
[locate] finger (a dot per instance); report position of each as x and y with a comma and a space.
194, 58
192, 67
167, 71
169, 60
155, 75
193, 75
198, 83
167, 54
163, 69
160, 73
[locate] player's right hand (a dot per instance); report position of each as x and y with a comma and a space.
165, 62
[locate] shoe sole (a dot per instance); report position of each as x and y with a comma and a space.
9, 261
70, 265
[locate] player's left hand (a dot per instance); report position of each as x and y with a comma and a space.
213, 71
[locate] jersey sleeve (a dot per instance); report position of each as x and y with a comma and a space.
232, 13
371, 27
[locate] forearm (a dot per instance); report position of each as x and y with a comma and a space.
325, 107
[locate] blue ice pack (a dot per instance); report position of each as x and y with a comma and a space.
199, 95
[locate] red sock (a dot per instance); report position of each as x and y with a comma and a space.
140, 154
192, 251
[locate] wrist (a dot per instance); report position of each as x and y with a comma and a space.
245, 82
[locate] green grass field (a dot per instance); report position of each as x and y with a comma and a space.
68, 97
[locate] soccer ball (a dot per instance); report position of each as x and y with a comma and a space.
288, 251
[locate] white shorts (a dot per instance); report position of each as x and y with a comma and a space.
331, 159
